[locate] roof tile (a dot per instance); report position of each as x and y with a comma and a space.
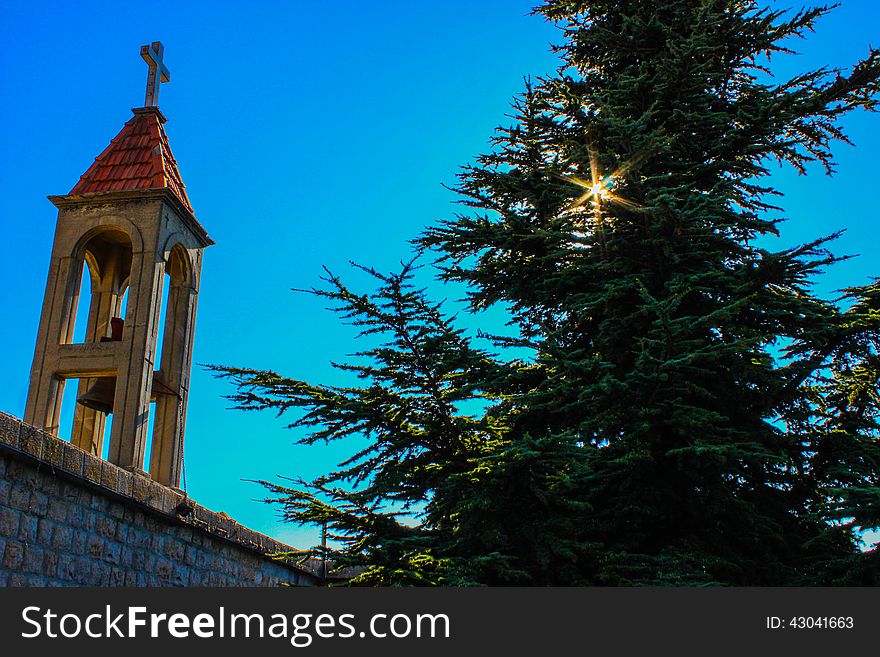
139, 157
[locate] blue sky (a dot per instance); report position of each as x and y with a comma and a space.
309, 135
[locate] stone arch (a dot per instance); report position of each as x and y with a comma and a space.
178, 265
171, 379
106, 251
114, 223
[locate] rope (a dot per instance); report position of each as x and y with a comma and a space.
180, 443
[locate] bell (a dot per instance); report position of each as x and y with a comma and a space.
99, 397
117, 326
160, 388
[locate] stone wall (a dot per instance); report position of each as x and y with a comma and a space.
70, 519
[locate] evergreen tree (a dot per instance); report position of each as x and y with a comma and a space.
389, 504
693, 413
620, 218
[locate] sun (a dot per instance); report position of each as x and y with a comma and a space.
600, 189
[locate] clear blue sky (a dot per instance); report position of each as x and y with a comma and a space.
308, 136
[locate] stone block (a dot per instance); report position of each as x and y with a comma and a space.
189, 555
134, 517
76, 516
10, 428
30, 581
39, 503
13, 555
17, 580
92, 468
140, 489
155, 495
57, 509
48, 482
222, 526
235, 532
80, 542
181, 575
52, 450
139, 537
30, 440
62, 538
139, 557
20, 497
45, 529
27, 528
126, 553
82, 571
100, 574
71, 492
17, 471
72, 460
9, 519
99, 502
113, 552
173, 549
50, 563
105, 526
216, 578
32, 561
117, 577
199, 539
164, 571
109, 476
66, 569
95, 547
125, 483
117, 511
5, 487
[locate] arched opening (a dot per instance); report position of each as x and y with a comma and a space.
170, 378
82, 311
163, 314
102, 268
100, 276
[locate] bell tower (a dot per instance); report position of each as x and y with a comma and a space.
127, 224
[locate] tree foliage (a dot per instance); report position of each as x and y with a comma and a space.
692, 412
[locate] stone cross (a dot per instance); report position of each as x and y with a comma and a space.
152, 55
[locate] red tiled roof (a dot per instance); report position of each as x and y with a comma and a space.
139, 157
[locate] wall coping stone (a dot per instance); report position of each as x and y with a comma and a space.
25, 442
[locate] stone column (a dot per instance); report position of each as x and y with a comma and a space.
56, 327
167, 454
131, 406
